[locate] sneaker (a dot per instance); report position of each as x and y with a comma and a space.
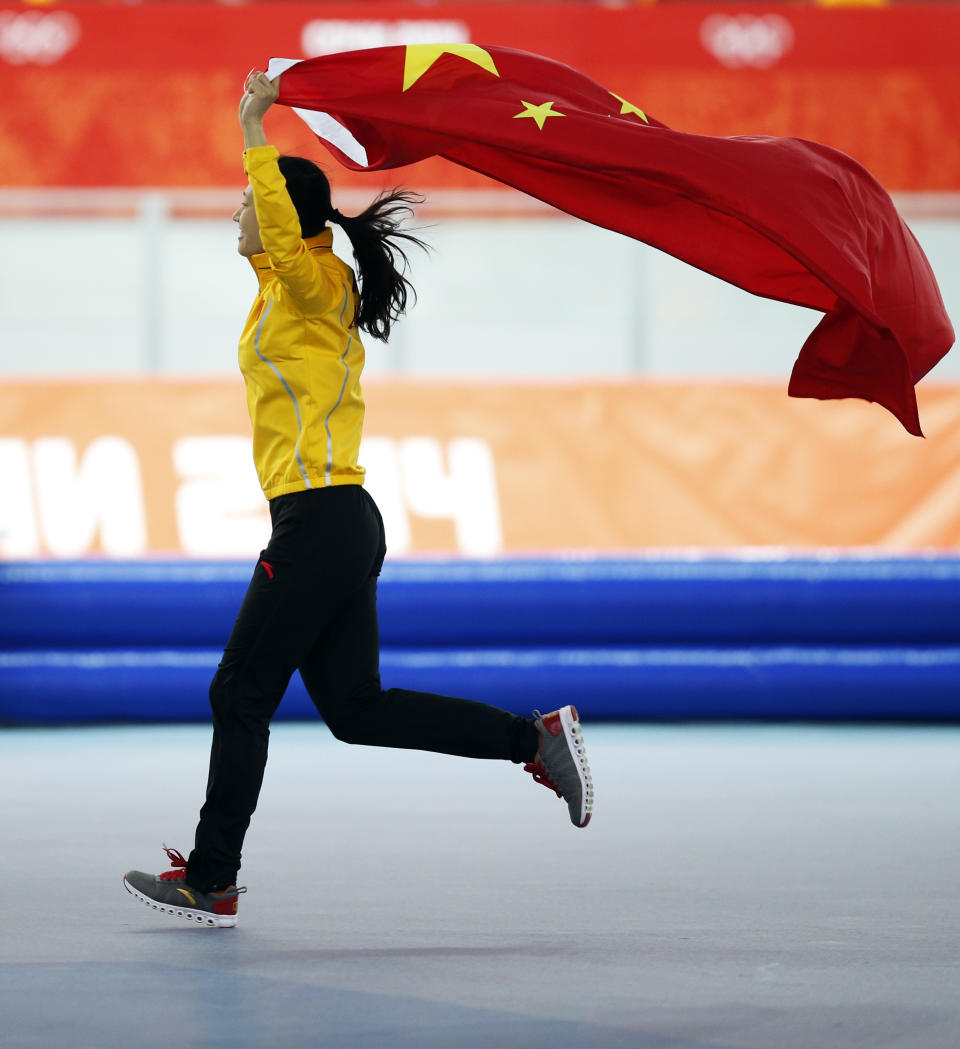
168, 892
561, 762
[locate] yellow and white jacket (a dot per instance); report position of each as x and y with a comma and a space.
300, 354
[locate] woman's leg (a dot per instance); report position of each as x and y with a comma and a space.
342, 675
315, 560
253, 674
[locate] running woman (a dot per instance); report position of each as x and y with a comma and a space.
311, 604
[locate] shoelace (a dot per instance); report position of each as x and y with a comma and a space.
179, 871
178, 863
539, 773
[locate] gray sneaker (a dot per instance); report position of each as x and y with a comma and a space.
561, 762
168, 892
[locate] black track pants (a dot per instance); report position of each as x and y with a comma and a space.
312, 606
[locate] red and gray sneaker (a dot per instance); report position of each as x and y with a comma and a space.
168, 892
561, 762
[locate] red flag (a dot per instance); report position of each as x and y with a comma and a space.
783, 218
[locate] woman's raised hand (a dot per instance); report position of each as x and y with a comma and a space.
259, 94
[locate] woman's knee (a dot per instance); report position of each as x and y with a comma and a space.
233, 702
219, 693
345, 725
349, 716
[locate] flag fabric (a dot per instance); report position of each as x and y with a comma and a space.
783, 218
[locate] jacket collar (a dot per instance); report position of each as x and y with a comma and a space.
321, 244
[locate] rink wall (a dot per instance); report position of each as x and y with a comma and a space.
817, 637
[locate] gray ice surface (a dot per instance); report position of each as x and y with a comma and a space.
740, 887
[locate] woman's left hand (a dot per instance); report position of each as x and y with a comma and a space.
259, 94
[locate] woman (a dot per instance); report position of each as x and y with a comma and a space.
311, 604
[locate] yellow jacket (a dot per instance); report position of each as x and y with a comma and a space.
300, 355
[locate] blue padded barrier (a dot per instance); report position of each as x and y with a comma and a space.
828, 600
650, 637
620, 684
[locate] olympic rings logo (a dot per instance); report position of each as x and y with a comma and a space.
736, 41
37, 37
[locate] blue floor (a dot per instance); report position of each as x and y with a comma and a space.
740, 887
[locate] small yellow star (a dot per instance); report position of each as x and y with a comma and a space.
538, 113
628, 107
420, 57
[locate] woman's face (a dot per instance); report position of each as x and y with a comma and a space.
245, 217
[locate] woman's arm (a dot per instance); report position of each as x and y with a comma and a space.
259, 94
279, 224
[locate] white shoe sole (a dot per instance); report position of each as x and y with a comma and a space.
216, 921
569, 719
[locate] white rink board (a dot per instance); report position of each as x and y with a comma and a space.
532, 296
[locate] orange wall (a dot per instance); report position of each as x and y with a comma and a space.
132, 467
145, 94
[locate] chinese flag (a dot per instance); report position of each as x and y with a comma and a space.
780, 217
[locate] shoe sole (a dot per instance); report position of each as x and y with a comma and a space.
568, 718
215, 921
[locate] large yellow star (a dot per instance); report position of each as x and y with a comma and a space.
420, 57
538, 113
628, 107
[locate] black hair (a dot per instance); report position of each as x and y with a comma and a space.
375, 235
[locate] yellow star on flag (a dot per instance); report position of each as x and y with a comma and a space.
629, 107
420, 57
538, 113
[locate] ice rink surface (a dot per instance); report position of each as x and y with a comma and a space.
740, 887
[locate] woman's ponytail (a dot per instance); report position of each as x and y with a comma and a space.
376, 237
378, 248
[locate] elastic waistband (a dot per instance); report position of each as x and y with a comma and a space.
314, 499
